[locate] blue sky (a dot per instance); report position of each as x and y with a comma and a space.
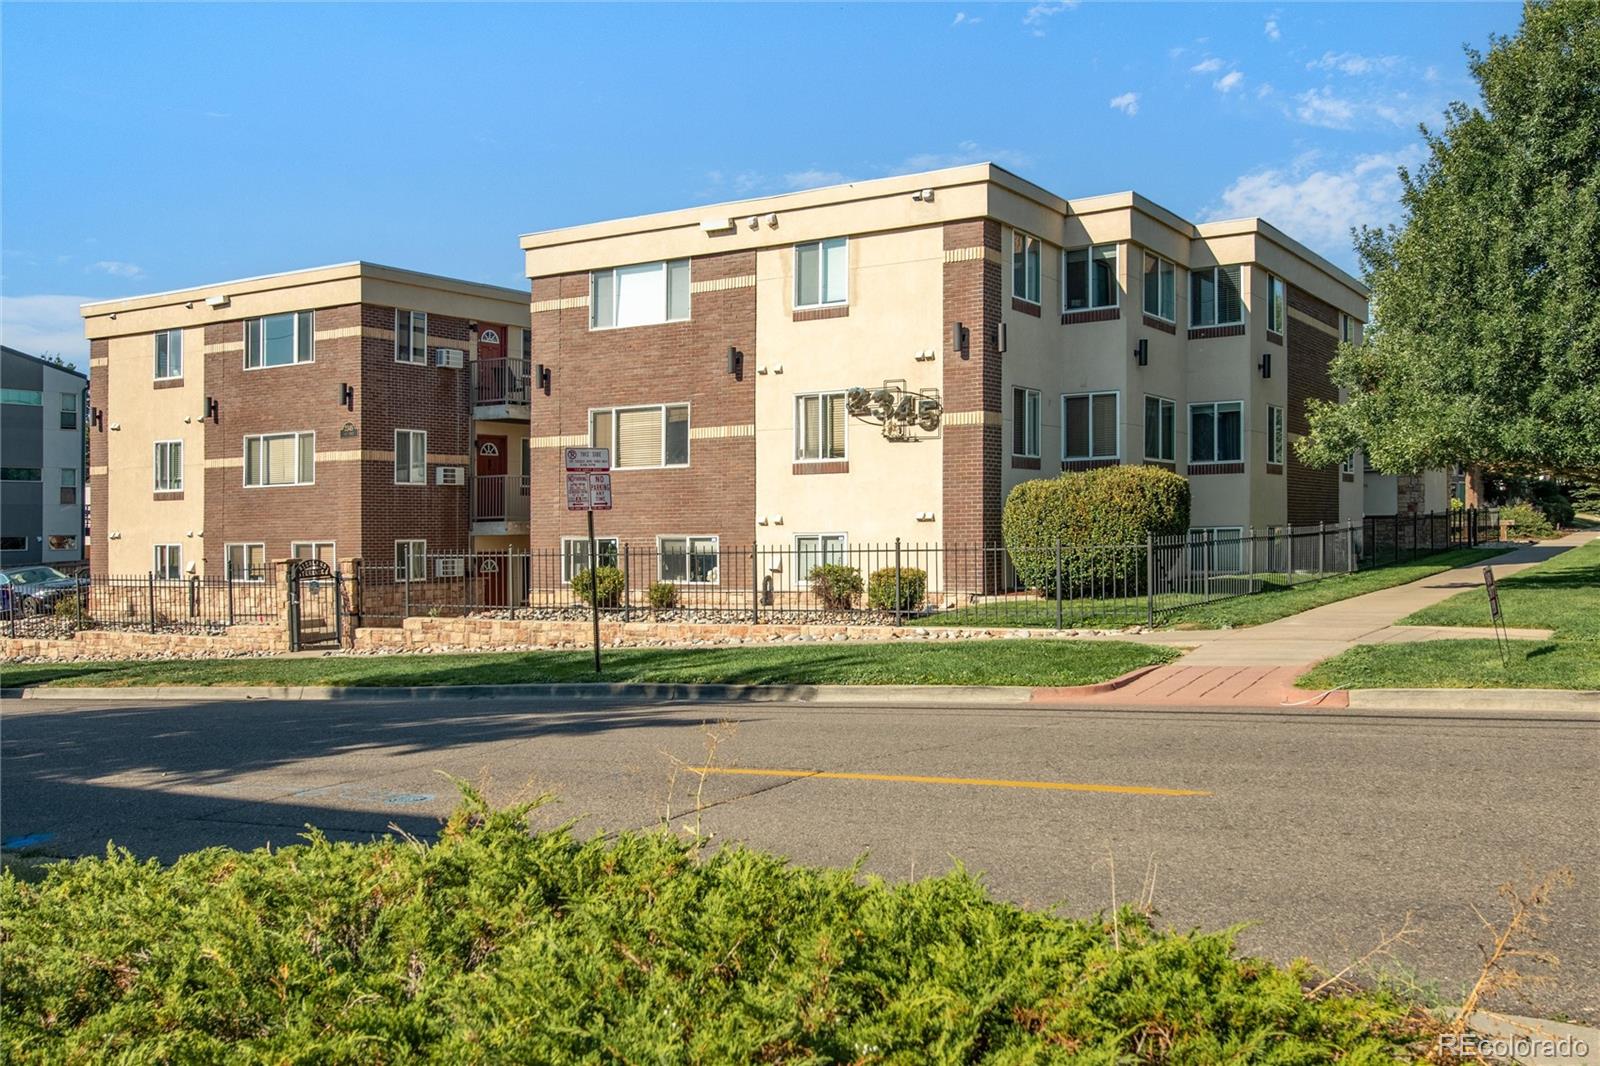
147, 147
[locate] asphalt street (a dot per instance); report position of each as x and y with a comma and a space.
1321, 830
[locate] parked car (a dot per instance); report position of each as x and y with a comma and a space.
37, 589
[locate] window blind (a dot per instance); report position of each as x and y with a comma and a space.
639, 437
1104, 424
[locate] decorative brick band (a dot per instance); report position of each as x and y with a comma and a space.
1162, 463
1027, 307
163, 496
839, 466
167, 383
1274, 468
1099, 314
1211, 332
221, 347
342, 332
1024, 462
568, 440
1274, 338
977, 251
747, 429
739, 281
811, 314
93, 363
1162, 324
1197, 469
974, 418
566, 303
1087, 464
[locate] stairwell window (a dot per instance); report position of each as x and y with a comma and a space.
819, 427
1089, 426
168, 562
1089, 278
822, 273
642, 438
411, 337
1025, 283
169, 354
1277, 306
1275, 435
1216, 432
1160, 288
279, 340
640, 295
1160, 428
410, 457
168, 464
1214, 297
1025, 423
277, 459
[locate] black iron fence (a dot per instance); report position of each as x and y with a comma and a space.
142, 602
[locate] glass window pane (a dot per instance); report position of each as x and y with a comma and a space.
1230, 437
600, 431
1077, 271
1152, 285
677, 446
808, 435
835, 270
1152, 425
1169, 291
305, 337
808, 275
1019, 434
1075, 427
674, 559
1169, 431
1019, 266
834, 417
252, 460
402, 336
1104, 275
1202, 297
639, 437
1104, 423
1202, 434
678, 289
1230, 308
252, 342
807, 555
402, 455
602, 294
277, 340
307, 458
641, 294
1033, 269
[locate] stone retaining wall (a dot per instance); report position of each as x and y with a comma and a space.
99, 644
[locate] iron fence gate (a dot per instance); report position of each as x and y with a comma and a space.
314, 603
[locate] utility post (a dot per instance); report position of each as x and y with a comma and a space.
589, 490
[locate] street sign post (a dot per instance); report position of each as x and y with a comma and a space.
589, 490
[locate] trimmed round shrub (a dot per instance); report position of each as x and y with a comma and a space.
663, 595
609, 582
1100, 518
1527, 521
835, 584
913, 587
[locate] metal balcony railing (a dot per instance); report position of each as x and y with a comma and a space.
500, 498
501, 381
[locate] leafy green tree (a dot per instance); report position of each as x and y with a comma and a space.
1485, 343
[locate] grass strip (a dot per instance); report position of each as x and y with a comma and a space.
1562, 594
1461, 664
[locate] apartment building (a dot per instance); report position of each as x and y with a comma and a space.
887, 359
349, 411
41, 461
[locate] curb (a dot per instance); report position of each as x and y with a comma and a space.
1069, 692
1474, 699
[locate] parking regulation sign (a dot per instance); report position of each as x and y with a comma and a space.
587, 460
588, 492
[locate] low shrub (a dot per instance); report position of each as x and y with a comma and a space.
1527, 520
663, 595
913, 589
835, 584
610, 584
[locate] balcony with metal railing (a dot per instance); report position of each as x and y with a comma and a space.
501, 390
499, 504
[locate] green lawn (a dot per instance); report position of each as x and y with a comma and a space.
975, 662
1562, 595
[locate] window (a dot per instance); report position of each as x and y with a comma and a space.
1216, 432
1347, 329
1160, 426
1160, 288
410, 457
168, 464
821, 272
278, 340
1089, 426
69, 485
1217, 549
169, 561
411, 560
411, 337
1275, 439
1348, 466
1025, 423
22, 397
62, 542
1025, 267
313, 549
575, 554
245, 562
642, 438
1089, 278
640, 295
819, 426
21, 473
13, 544
1277, 309
1214, 297
69, 410
811, 550
692, 560
280, 459
169, 354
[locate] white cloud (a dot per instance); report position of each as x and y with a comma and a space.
1319, 107
964, 19
1127, 103
1353, 63
1319, 205
46, 323
1271, 29
1038, 14
1207, 66
813, 178
1228, 82
118, 269
965, 152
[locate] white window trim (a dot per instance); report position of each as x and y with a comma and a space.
1172, 404
1021, 415
155, 355
411, 544
1193, 305
567, 573
616, 292
155, 466
1116, 280
1173, 320
1216, 405
799, 427
296, 433
1229, 535
1277, 436
822, 274
716, 542
1275, 282
333, 547
803, 579
312, 347
155, 567
246, 544
396, 464
411, 317
688, 441
1116, 455
1037, 301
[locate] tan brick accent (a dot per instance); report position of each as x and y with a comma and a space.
99, 517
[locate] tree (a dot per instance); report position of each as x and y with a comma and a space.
1485, 342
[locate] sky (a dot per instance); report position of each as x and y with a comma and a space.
149, 147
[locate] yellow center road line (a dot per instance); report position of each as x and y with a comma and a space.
988, 782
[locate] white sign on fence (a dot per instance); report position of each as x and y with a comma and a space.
587, 460
588, 492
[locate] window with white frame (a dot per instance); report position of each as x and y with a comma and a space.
69, 486
819, 427
1160, 429
169, 354
313, 549
1160, 288
1217, 549
279, 340
1089, 278
640, 295
691, 560
275, 459
168, 463
411, 560
812, 550
1025, 423
1277, 305
1275, 437
642, 438
1089, 426
1216, 432
1214, 297
410, 457
1348, 466
411, 337
1347, 329
245, 562
1025, 283
168, 561
822, 272
70, 403
575, 554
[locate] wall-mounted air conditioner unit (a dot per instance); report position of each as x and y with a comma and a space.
449, 475
448, 566
450, 358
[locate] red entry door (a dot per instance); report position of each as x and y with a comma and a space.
491, 506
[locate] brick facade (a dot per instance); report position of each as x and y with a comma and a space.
1313, 493
973, 448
